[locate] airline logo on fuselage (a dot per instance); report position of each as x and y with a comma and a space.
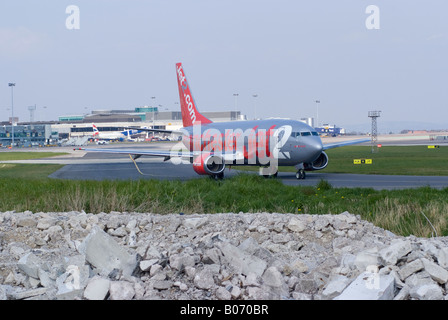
187, 96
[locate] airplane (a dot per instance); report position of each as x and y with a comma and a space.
211, 146
113, 135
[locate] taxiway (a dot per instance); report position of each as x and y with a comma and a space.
80, 165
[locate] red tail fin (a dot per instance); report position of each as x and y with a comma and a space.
190, 114
96, 132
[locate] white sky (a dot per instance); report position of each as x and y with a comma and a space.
288, 52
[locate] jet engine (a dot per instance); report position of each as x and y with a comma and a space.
318, 164
209, 164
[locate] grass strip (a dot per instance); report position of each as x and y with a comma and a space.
400, 211
18, 155
27, 171
389, 160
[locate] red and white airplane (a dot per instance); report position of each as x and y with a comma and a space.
210, 146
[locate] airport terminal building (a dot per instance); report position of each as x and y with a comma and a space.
78, 129
118, 120
28, 135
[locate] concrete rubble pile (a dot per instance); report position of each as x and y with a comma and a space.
126, 256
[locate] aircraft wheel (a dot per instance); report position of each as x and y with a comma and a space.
267, 176
300, 174
218, 176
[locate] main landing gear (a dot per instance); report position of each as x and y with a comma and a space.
300, 174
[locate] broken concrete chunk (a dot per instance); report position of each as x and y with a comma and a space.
26, 222
427, 292
410, 268
97, 288
442, 257
145, 265
296, 225
30, 264
436, 272
195, 223
336, 286
273, 278
398, 249
369, 286
18, 295
103, 252
121, 290
240, 261
204, 279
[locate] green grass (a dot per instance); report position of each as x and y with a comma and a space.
403, 160
399, 211
17, 155
404, 212
27, 171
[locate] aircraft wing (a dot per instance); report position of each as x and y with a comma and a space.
344, 143
156, 130
165, 154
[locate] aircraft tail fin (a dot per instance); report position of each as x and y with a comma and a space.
190, 114
95, 130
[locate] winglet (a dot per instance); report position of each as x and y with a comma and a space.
190, 114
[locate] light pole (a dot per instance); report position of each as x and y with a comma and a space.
255, 105
236, 105
317, 116
44, 113
12, 85
153, 112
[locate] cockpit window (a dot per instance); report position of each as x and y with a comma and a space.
303, 134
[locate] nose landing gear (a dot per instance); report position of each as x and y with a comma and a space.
300, 174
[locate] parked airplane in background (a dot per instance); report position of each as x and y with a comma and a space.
210, 146
113, 135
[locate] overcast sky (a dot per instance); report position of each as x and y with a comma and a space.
288, 52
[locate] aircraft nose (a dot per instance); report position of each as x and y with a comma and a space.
316, 147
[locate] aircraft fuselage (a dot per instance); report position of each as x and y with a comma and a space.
290, 142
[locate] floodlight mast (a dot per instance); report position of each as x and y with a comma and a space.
374, 133
12, 85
